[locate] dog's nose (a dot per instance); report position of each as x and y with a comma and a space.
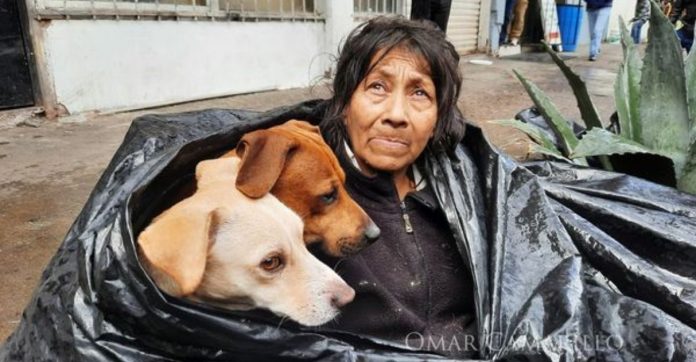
371, 233
342, 296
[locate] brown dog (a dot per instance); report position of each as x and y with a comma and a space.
292, 162
223, 248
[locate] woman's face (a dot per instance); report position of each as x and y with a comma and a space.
392, 113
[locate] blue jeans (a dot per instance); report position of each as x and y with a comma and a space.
509, 7
685, 39
635, 30
598, 19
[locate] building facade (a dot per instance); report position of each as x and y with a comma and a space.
111, 55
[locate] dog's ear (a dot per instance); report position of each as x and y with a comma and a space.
263, 155
174, 248
303, 125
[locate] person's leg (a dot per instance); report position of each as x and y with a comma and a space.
688, 42
684, 39
518, 21
594, 39
635, 30
509, 6
602, 23
439, 12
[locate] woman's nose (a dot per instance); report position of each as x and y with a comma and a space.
397, 113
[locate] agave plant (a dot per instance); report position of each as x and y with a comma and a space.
655, 102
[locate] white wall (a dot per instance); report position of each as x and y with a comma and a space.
626, 9
106, 64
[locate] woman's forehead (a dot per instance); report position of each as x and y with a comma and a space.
401, 54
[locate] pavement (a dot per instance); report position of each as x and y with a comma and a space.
50, 167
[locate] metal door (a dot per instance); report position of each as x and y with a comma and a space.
464, 25
15, 79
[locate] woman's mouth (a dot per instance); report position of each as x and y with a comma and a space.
389, 142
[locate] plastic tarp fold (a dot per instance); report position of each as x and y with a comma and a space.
569, 263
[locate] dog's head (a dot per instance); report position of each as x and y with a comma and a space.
293, 162
221, 247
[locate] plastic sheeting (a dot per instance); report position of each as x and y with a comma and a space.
568, 263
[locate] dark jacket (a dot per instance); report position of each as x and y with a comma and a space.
642, 11
685, 10
413, 283
598, 4
568, 263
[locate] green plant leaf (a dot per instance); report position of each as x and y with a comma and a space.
687, 181
690, 71
663, 112
626, 40
535, 133
543, 145
588, 112
627, 87
558, 123
551, 152
598, 142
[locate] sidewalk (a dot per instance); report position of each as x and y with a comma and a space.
49, 168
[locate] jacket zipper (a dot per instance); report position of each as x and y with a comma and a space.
407, 219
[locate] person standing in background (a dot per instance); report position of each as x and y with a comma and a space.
641, 16
685, 10
598, 12
436, 11
505, 28
518, 21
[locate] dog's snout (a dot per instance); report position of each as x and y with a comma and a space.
342, 296
371, 233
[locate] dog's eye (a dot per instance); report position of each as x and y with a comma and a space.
330, 197
272, 263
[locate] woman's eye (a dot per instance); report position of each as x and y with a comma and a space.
330, 197
379, 87
421, 93
272, 263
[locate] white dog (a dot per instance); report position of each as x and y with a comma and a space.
222, 248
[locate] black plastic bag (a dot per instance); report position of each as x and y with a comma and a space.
568, 263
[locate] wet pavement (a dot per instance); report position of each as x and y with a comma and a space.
49, 168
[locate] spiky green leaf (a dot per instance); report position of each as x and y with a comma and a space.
627, 87
588, 112
543, 145
598, 141
690, 69
687, 182
551, 152
558, 123
626, 40
535, 133
663, 112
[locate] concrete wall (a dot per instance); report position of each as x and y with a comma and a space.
626, 9
107, 65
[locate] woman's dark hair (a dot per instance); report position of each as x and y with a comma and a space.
379, 36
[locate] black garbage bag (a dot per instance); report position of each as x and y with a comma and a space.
568, 263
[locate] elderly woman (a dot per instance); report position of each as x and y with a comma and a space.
396, 88
502, 266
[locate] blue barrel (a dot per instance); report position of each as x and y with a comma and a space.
569, 22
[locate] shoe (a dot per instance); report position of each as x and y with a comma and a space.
593, 58
514, 41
